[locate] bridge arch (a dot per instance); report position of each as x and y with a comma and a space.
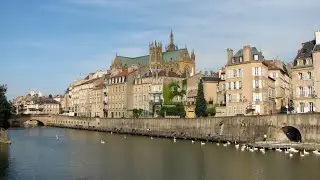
292, 133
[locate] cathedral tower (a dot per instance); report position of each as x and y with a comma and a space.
155, 54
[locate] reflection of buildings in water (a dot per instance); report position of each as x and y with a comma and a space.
4, 162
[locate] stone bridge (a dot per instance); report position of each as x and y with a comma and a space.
19, 120
280, 127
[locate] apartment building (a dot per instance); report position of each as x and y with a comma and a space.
283, 90
210, 88
249, 89
81, 91
306, 77
120, 94
96, 98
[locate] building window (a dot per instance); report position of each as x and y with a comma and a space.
122, 88
311, 107
301, 92
309, 75
229, 85
302, 107
256, 57
234, 85
256, 71
234, 73
274, 75
300, 76
256, 83
229, 97
240, 72
240, 84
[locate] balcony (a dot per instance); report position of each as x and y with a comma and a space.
156, 101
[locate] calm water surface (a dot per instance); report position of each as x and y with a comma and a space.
36, 154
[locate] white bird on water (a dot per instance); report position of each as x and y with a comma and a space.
301, 154
102, 141
218, 144
305, 152
291, 155
237, 146
316, 152
57, 137
192, 141
151, 138
174, 139
293, 150
202, 143
279, 150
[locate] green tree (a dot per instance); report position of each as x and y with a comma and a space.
137, 112
5, 108
211, 111
201, 105
50, 96
175, 90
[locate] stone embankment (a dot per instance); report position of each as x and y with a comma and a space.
247, 129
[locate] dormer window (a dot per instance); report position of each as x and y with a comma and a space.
256, 57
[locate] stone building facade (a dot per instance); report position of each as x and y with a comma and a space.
120, 94
148, 89
249, 89
306, 77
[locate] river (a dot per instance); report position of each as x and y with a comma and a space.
35, 153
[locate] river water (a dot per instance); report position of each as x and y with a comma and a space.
35, 153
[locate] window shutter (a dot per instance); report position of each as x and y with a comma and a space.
252, 71
231, 85
237, 84
260, 83
253, 84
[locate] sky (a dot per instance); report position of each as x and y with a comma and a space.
48, 44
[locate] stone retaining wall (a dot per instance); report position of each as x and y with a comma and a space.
242, 128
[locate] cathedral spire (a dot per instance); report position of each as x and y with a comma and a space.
171, 38
171, 46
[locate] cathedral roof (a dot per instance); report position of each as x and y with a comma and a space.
144, 60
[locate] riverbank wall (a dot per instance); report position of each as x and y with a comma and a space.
239, 128
4, 138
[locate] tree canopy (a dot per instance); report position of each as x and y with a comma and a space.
201, 105
5, 108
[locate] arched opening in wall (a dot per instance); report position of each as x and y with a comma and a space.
292, 133
39, 123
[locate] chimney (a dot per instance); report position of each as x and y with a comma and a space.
229, 55
317, 34
247, 54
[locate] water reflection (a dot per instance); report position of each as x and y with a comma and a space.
36, 154
4, 162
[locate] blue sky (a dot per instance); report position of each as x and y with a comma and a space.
47, 44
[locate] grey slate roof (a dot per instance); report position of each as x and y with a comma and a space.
306, 50
253, 50
316, 48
